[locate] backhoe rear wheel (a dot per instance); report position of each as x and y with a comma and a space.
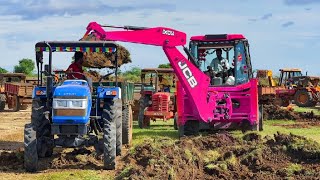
2, 101
303, 98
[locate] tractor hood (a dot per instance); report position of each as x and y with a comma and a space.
73, 88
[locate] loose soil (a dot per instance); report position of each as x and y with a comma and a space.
215, 156
223, 156
102, 60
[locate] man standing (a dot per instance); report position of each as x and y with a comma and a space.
76, 66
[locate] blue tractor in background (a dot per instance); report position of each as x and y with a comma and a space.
75, 112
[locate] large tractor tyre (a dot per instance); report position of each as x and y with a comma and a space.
175, 123
16, 103
42, 124
127, 118
303, 99
2, 101
110, 115
30, 148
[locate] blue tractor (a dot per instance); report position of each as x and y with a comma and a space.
72, 113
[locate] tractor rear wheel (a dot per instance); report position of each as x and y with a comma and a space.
2, 101
30, 148
127, 125
143, 103
303, 98
42, 125
111, 114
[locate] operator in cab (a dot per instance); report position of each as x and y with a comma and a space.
76, 66
219, 67
219, 64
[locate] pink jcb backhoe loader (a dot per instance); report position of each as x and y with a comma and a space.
213, 92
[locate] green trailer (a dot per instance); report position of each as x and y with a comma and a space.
127, 93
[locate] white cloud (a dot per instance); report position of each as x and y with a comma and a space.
269, 41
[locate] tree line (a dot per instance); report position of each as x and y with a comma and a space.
27, 66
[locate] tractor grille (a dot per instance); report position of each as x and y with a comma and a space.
69, 112
160, 101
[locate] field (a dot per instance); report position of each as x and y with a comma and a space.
158, 153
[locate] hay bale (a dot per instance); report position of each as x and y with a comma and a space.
102, 60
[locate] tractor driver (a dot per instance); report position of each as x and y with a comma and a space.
164, 84
76, 66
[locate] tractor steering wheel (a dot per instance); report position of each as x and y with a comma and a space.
104, 77
72, 74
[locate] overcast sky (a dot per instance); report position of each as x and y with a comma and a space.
281, 33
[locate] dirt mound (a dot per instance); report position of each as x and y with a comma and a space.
223, 156
101, 60
77, 158
276, 112
11, 160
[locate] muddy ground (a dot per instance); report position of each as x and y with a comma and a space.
223, 156
215, 156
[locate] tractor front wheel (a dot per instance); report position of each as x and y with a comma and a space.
303, 98
30, 148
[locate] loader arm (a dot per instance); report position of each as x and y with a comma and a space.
194, 81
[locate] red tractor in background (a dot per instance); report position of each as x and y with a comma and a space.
158, 95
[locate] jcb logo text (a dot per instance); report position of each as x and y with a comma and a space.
168, 32
188, 74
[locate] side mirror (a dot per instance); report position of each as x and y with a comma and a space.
39, 57
46, 67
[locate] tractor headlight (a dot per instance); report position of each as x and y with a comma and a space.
69, 103
60, 103
78, 104
150, 102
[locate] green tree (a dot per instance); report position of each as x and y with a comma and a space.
2, 70
25, 66
167, 65
132, 75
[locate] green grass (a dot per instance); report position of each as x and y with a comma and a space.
157, 130
316, 110
269, 129
74, 175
